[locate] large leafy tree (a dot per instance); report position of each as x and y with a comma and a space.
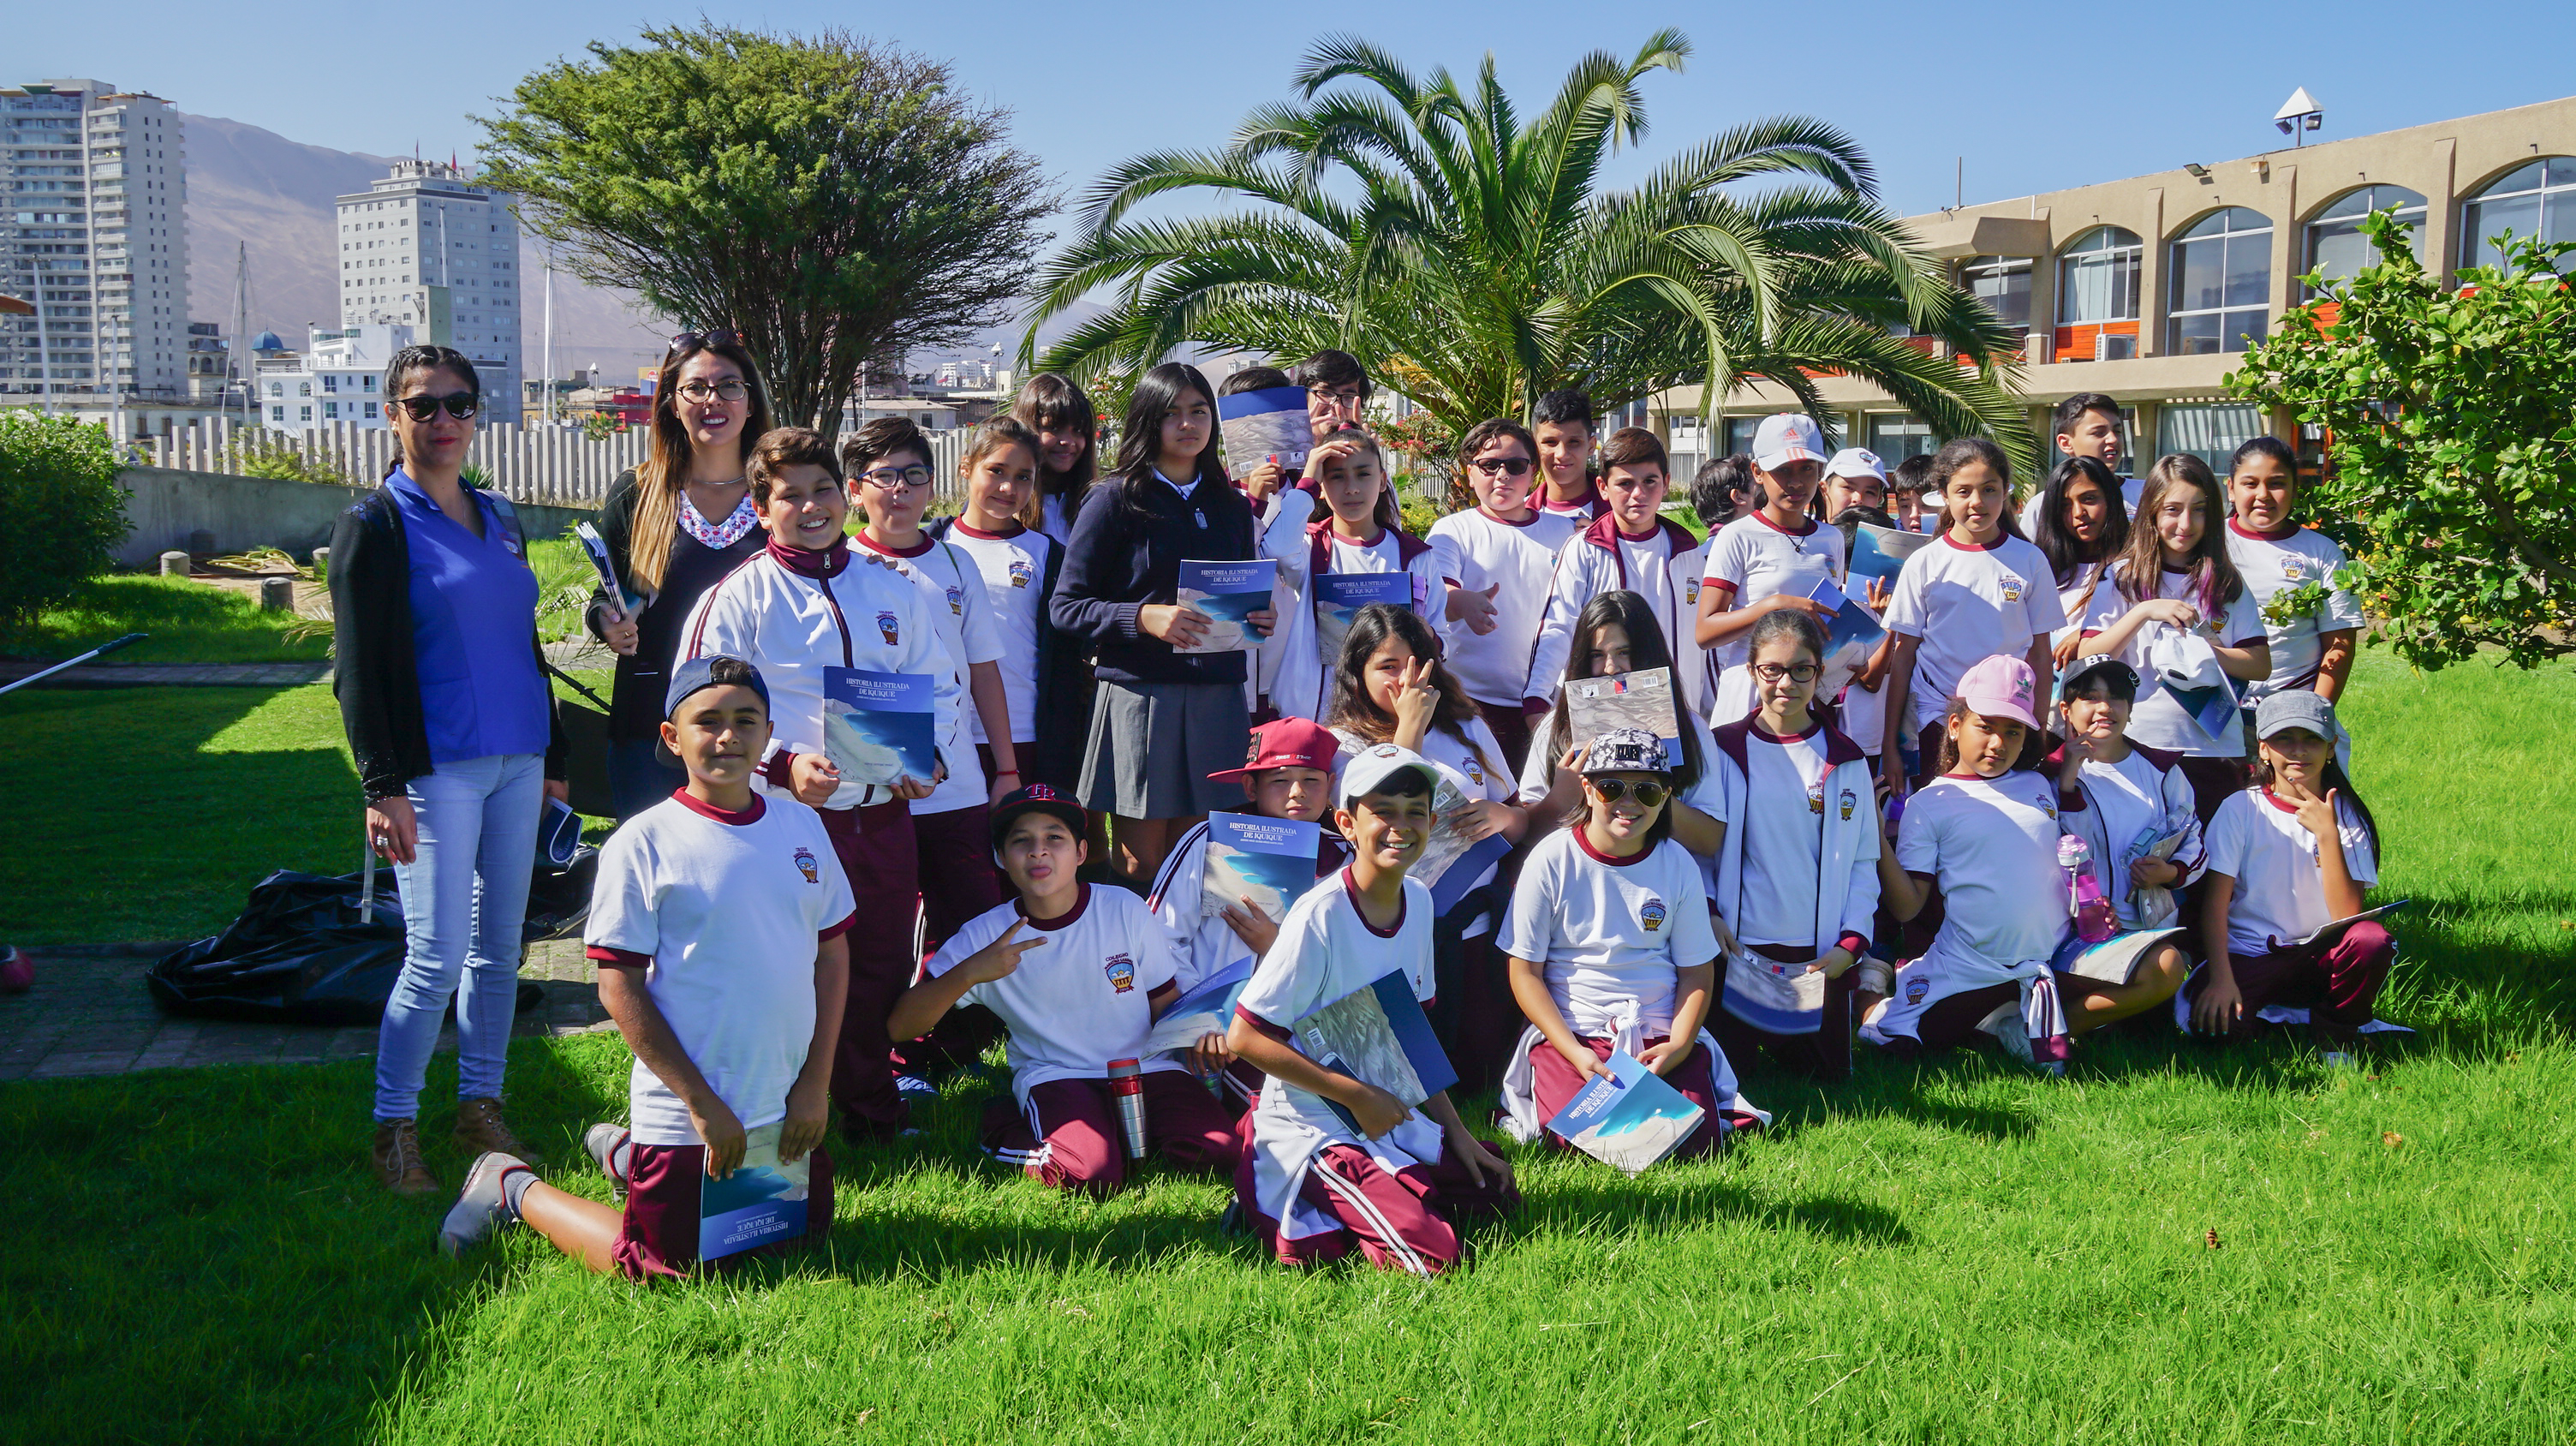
1473, 260
2453, 417
833, 200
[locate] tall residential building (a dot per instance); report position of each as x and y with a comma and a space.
427, 249
334, 379
97, 237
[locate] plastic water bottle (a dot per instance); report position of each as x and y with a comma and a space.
1127, 1086
2095, 918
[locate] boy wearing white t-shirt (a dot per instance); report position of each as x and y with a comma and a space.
1078, 975
718, 922
1497, 561
1312, 1184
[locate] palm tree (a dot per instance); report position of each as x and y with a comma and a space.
1471, 261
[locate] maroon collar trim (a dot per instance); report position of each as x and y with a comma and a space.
1492, 516
1758, 515
1950, 540
2277, 801
2284, 535
1815, 725
1081, 901
739, 818
827, 563
1970, 777
883, 550
964, 529
1351, 891
1583, 841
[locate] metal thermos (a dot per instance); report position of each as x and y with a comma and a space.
1127, 1086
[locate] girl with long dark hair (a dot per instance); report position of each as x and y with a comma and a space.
1068, 432
2079, 525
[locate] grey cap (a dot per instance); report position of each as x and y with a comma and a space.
1626, 750
2296, 708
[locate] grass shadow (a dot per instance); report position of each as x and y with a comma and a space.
188, 622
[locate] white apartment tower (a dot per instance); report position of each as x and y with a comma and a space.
426, 249
96, 236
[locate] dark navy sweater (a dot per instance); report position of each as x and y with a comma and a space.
1118, 561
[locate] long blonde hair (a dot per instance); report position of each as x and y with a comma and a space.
665, 468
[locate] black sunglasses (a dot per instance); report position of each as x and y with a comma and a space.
1492, 465
1648, 794
460, 405
721, 336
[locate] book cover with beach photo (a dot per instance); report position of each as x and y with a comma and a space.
1268, 860
1631, 1117
876, 726
1259, 426
1377, 1035
761, 1203
1339, 596
1880, 552
1227, 592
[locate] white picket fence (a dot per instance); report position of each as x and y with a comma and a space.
551, 466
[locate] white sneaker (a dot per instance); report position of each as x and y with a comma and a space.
481, 1207
602, 1140
2014, 1035
914, 1088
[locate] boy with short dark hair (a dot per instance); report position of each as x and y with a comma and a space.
2089, 424
1564, 429
1078, 975
1723, 490
719, 923
1906, 488
1631, 545
1395, 1183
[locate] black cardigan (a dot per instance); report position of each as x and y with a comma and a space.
644, 676
374, 672
1119, 561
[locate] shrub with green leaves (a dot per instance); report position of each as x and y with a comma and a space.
62, 513
2453, 418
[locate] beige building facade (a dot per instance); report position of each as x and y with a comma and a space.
2147, 289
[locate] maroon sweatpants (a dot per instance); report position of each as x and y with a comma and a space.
659, 1233
1405, 1220
1823, 1055
1557, 1084
2340, 987
1077, 1144
1488, 1022
2211, 780
1511, 729
875, 846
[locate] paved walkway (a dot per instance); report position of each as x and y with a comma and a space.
90, 1015
171, 675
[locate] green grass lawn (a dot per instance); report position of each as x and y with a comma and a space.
1948, 1252
189, 622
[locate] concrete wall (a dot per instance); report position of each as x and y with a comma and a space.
167, 506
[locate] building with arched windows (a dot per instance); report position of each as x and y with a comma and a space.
2147, 289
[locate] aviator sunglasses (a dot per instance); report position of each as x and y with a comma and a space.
1648, 794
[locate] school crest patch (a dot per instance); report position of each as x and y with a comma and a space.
806, 865
886, 629
957, 602
1475, 773
1916, 988
1021, 573
2012, 587
1816, 799
1850, 801
1122, 973
1651, 914
1690, 591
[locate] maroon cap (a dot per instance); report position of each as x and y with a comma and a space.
1286, 743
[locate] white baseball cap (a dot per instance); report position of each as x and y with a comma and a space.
1369, 772
1856, 462
1786, 437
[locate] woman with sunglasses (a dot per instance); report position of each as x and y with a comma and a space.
443, 692
673, 527
1498, 559
1609, 949
1797, 875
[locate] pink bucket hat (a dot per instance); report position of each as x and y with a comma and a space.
2001, 687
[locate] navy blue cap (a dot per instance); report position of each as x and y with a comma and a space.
1038, 798
691, 675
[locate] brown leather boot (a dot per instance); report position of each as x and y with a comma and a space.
480, 1130
397, 1159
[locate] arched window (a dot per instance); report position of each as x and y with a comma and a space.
2097, 295
2002, 283
2537, 200
2335, 243
2222, 276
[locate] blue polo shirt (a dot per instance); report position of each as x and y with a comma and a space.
473, 614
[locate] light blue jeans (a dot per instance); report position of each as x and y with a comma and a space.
465, 900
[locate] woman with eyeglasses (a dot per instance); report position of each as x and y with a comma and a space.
1609, 949
674, 526
443, 693
1797, 874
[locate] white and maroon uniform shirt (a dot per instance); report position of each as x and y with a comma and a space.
1785, 803
792, 614
952, 593
1477, 550
1303, 685
1014, 568
2141, 797
1205, 945
1969, 604
1604, 559
1610, 933
1478, 761
1082, 998
1755, 558
1991, 844
2256, 839
2272, 562
2159, 721
724, 912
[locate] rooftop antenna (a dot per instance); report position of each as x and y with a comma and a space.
2299, 115
1959, 195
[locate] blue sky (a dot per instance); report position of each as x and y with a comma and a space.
2031, 96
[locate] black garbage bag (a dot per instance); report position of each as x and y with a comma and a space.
559, 896
299, 953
